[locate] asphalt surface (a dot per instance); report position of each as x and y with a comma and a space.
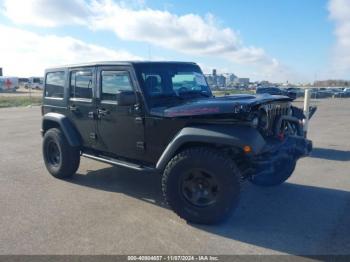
108, 210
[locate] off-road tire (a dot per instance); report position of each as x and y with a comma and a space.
223, 169
281, 174
68, 158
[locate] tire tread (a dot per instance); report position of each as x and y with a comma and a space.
216, 156
70, 155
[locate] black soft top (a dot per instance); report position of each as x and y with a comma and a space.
118, 63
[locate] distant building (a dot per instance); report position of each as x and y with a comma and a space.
0, 71
221, 81
210, 80
264, 83
232, 78
330, 83
242, 81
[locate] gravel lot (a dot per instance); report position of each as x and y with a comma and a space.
108, 210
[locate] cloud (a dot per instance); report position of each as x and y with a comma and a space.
24, 51
47, 13
189, 34
339, 12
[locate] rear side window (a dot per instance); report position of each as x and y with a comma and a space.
54, 86
114, 82
81, 84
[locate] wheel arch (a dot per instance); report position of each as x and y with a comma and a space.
56, 120
212, 136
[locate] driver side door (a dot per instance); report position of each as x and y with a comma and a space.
120, 127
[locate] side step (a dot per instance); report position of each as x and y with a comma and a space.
120, 163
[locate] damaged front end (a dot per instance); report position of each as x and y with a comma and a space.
285, 144
279, 154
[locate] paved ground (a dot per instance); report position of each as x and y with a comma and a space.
107, 210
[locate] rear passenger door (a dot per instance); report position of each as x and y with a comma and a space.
81, 103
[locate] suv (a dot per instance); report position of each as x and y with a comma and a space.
161, 117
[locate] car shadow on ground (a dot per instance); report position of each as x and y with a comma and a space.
146, 187
330, 154
290, 218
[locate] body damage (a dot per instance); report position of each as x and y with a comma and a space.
239, 106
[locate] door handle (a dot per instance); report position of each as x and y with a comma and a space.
102, 112
73, 108
91, 115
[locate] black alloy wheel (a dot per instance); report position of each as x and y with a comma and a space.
200, 188
53, 153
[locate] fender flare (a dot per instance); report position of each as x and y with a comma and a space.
237, 136
68, 129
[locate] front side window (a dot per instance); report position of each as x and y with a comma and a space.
54, 86
163, 81
113, 82
81, 84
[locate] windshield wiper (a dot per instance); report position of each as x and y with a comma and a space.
167, 96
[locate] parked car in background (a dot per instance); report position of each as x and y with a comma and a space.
321, 93
276, 91
290, 92
22, 82
299, 92
342, 92
269, 90
35, 83
8, 84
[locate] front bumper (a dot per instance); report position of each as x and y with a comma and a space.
295, 146
291, 148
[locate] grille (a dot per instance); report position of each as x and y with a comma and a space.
273, 112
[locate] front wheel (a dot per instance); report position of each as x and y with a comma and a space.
61, 159
201, 185
282, 171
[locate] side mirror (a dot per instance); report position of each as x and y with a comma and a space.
126, 98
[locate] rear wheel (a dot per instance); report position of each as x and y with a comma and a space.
61, 159
201, 185
282, 171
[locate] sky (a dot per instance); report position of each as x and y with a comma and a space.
279, 41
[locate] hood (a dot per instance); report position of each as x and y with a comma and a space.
234, 104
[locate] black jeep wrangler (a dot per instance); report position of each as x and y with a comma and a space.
161, 117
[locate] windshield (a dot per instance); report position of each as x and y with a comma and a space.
162, 82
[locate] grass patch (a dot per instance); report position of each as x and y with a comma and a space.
232, 92
14, 101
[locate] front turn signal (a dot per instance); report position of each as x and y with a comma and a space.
247, 149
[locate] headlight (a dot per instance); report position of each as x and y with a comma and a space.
263, 119
255, 121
